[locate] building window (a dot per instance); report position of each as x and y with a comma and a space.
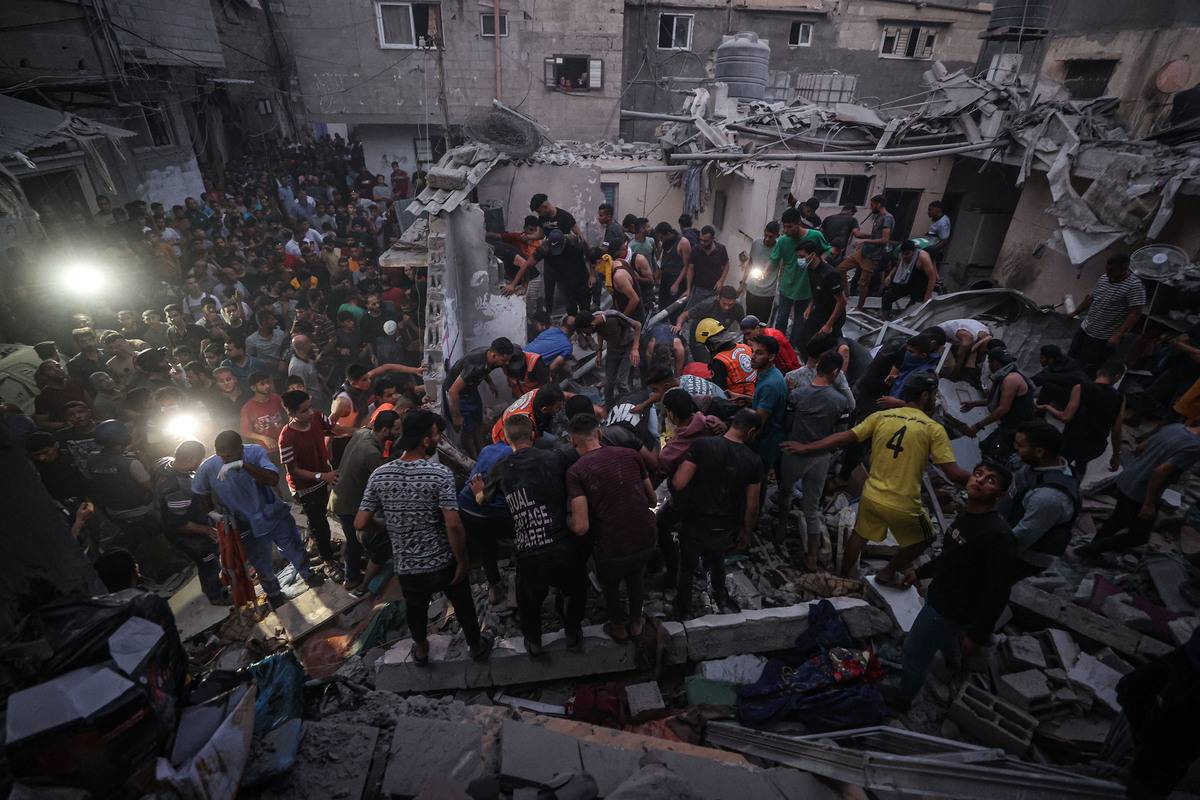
841, 190
487, 21
906, 42
407, 25
574, 73
264, 107
609, 190
826, 88
424, 150
152, 123
675, 31
1087, 79
801, 35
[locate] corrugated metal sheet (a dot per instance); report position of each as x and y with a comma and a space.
27, 126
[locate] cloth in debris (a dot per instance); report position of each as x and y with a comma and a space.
832, 688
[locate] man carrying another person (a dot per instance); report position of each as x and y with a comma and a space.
870, 253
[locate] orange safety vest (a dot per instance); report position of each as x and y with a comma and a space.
528, 384
522, 405
739, 373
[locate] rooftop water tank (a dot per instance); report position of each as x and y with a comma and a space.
742, 63
1019, 18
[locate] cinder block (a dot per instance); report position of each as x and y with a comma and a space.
992, 720
1116, 607
643, 698
1023, 652
1025, 689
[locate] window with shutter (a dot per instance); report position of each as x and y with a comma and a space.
595, 73
551, 68
908, 42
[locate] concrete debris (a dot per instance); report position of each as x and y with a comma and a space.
644, 698
333, 762
1085, 624
1025, 690
740, 670
708, 637
1168, 575
903, 605
992, 720
534, 754
1182, 629
1100, 679
424, 749
1117, 608
444, 178
1024, 652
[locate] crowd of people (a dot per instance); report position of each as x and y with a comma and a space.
274, 339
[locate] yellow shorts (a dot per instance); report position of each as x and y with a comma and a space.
875, 520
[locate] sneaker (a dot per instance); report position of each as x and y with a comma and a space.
333, 571
314, 579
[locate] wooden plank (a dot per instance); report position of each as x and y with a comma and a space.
312, 609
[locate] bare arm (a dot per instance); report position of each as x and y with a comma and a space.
261, 475
751, 519
365, 521
384, 368
1082, 307
1159, 478
457, 537
834, 441
838, 306
1117, 429
648, 489
578, 521
1008, 393
1130, 320
683, 475
931, 274
1068, 413
954, 472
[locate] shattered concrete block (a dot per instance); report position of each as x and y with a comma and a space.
1085, 590
610, 766
509, 663
1063, 647
741, 587
1181, 629
757, 631
1099, 678
1168, 576
643, 698
446, 178
534, 754
1048, 582
992, 720
333, 761
427, 749
1025, 689
1085, 624
712, 780
902, 604
396, 671
1108, 658
1118, 610
1023, 652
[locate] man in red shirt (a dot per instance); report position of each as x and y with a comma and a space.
786, 360
305, 458
263, 415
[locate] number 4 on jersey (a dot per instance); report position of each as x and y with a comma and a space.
896, 443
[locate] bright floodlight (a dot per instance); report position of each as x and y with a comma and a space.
181, 426
757, 273
83, 279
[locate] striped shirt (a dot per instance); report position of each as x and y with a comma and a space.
1111, 304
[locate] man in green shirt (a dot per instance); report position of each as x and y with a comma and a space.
794, 290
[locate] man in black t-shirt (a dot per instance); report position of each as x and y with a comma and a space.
552, 218
827, 310
533, 483
719, 481
971, 581
461, 388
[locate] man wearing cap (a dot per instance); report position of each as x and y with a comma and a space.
418, 500
786, 360
1010, 402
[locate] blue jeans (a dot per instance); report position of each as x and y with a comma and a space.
930, 633
789, 313
353, 554
260, 549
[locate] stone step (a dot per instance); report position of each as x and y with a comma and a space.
713, 636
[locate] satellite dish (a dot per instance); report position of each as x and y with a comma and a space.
1174, 76
1158, 261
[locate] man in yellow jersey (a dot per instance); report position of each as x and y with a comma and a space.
903, 440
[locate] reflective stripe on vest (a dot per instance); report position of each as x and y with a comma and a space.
739, 372
529, 384
522, 405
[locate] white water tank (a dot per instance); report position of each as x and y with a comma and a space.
742, 63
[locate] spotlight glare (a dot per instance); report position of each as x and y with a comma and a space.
83, 279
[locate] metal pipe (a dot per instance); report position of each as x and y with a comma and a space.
934, 153
644, 168
627, 113
856, 147
496, 39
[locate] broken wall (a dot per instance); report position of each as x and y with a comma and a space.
576, 189
1139, 55
472, 283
